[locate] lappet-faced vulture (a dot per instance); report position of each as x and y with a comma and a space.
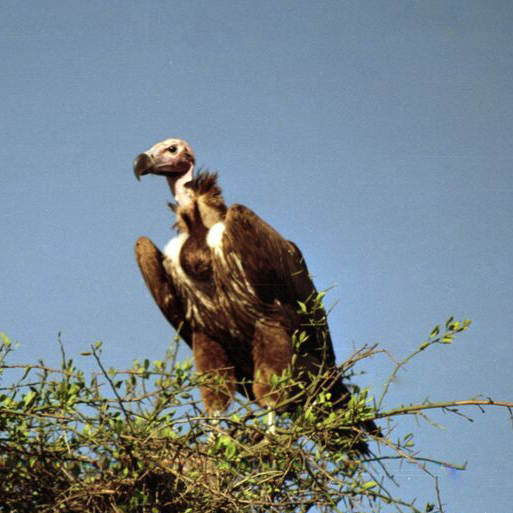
238, 292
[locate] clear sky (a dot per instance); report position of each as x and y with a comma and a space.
376, 135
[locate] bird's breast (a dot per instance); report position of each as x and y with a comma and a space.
196, 294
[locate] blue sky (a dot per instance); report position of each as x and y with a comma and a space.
376, 135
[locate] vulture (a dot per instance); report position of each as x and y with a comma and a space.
237, 292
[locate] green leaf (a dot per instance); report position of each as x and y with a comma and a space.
29, 396
274, 380
435, 332
369, 484
5, 339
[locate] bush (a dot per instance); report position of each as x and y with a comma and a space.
137, 441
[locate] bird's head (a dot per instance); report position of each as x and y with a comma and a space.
171, 157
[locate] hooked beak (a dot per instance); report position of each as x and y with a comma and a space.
143, 164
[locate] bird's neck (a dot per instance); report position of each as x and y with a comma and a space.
178, 189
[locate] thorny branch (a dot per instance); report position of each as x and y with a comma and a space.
66, 443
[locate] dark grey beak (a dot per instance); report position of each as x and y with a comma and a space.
143, 164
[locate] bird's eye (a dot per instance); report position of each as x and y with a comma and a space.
173, 148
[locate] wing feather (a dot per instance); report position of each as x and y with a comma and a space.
276, 270
161, 286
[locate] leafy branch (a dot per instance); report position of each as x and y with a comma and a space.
136, 440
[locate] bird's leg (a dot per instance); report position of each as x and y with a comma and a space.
220, 380
214, 423
271, 421
216, 418
272, 357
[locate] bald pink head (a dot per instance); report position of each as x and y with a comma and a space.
167, 158
172, 158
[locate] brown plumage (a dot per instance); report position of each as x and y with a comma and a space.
232, 286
